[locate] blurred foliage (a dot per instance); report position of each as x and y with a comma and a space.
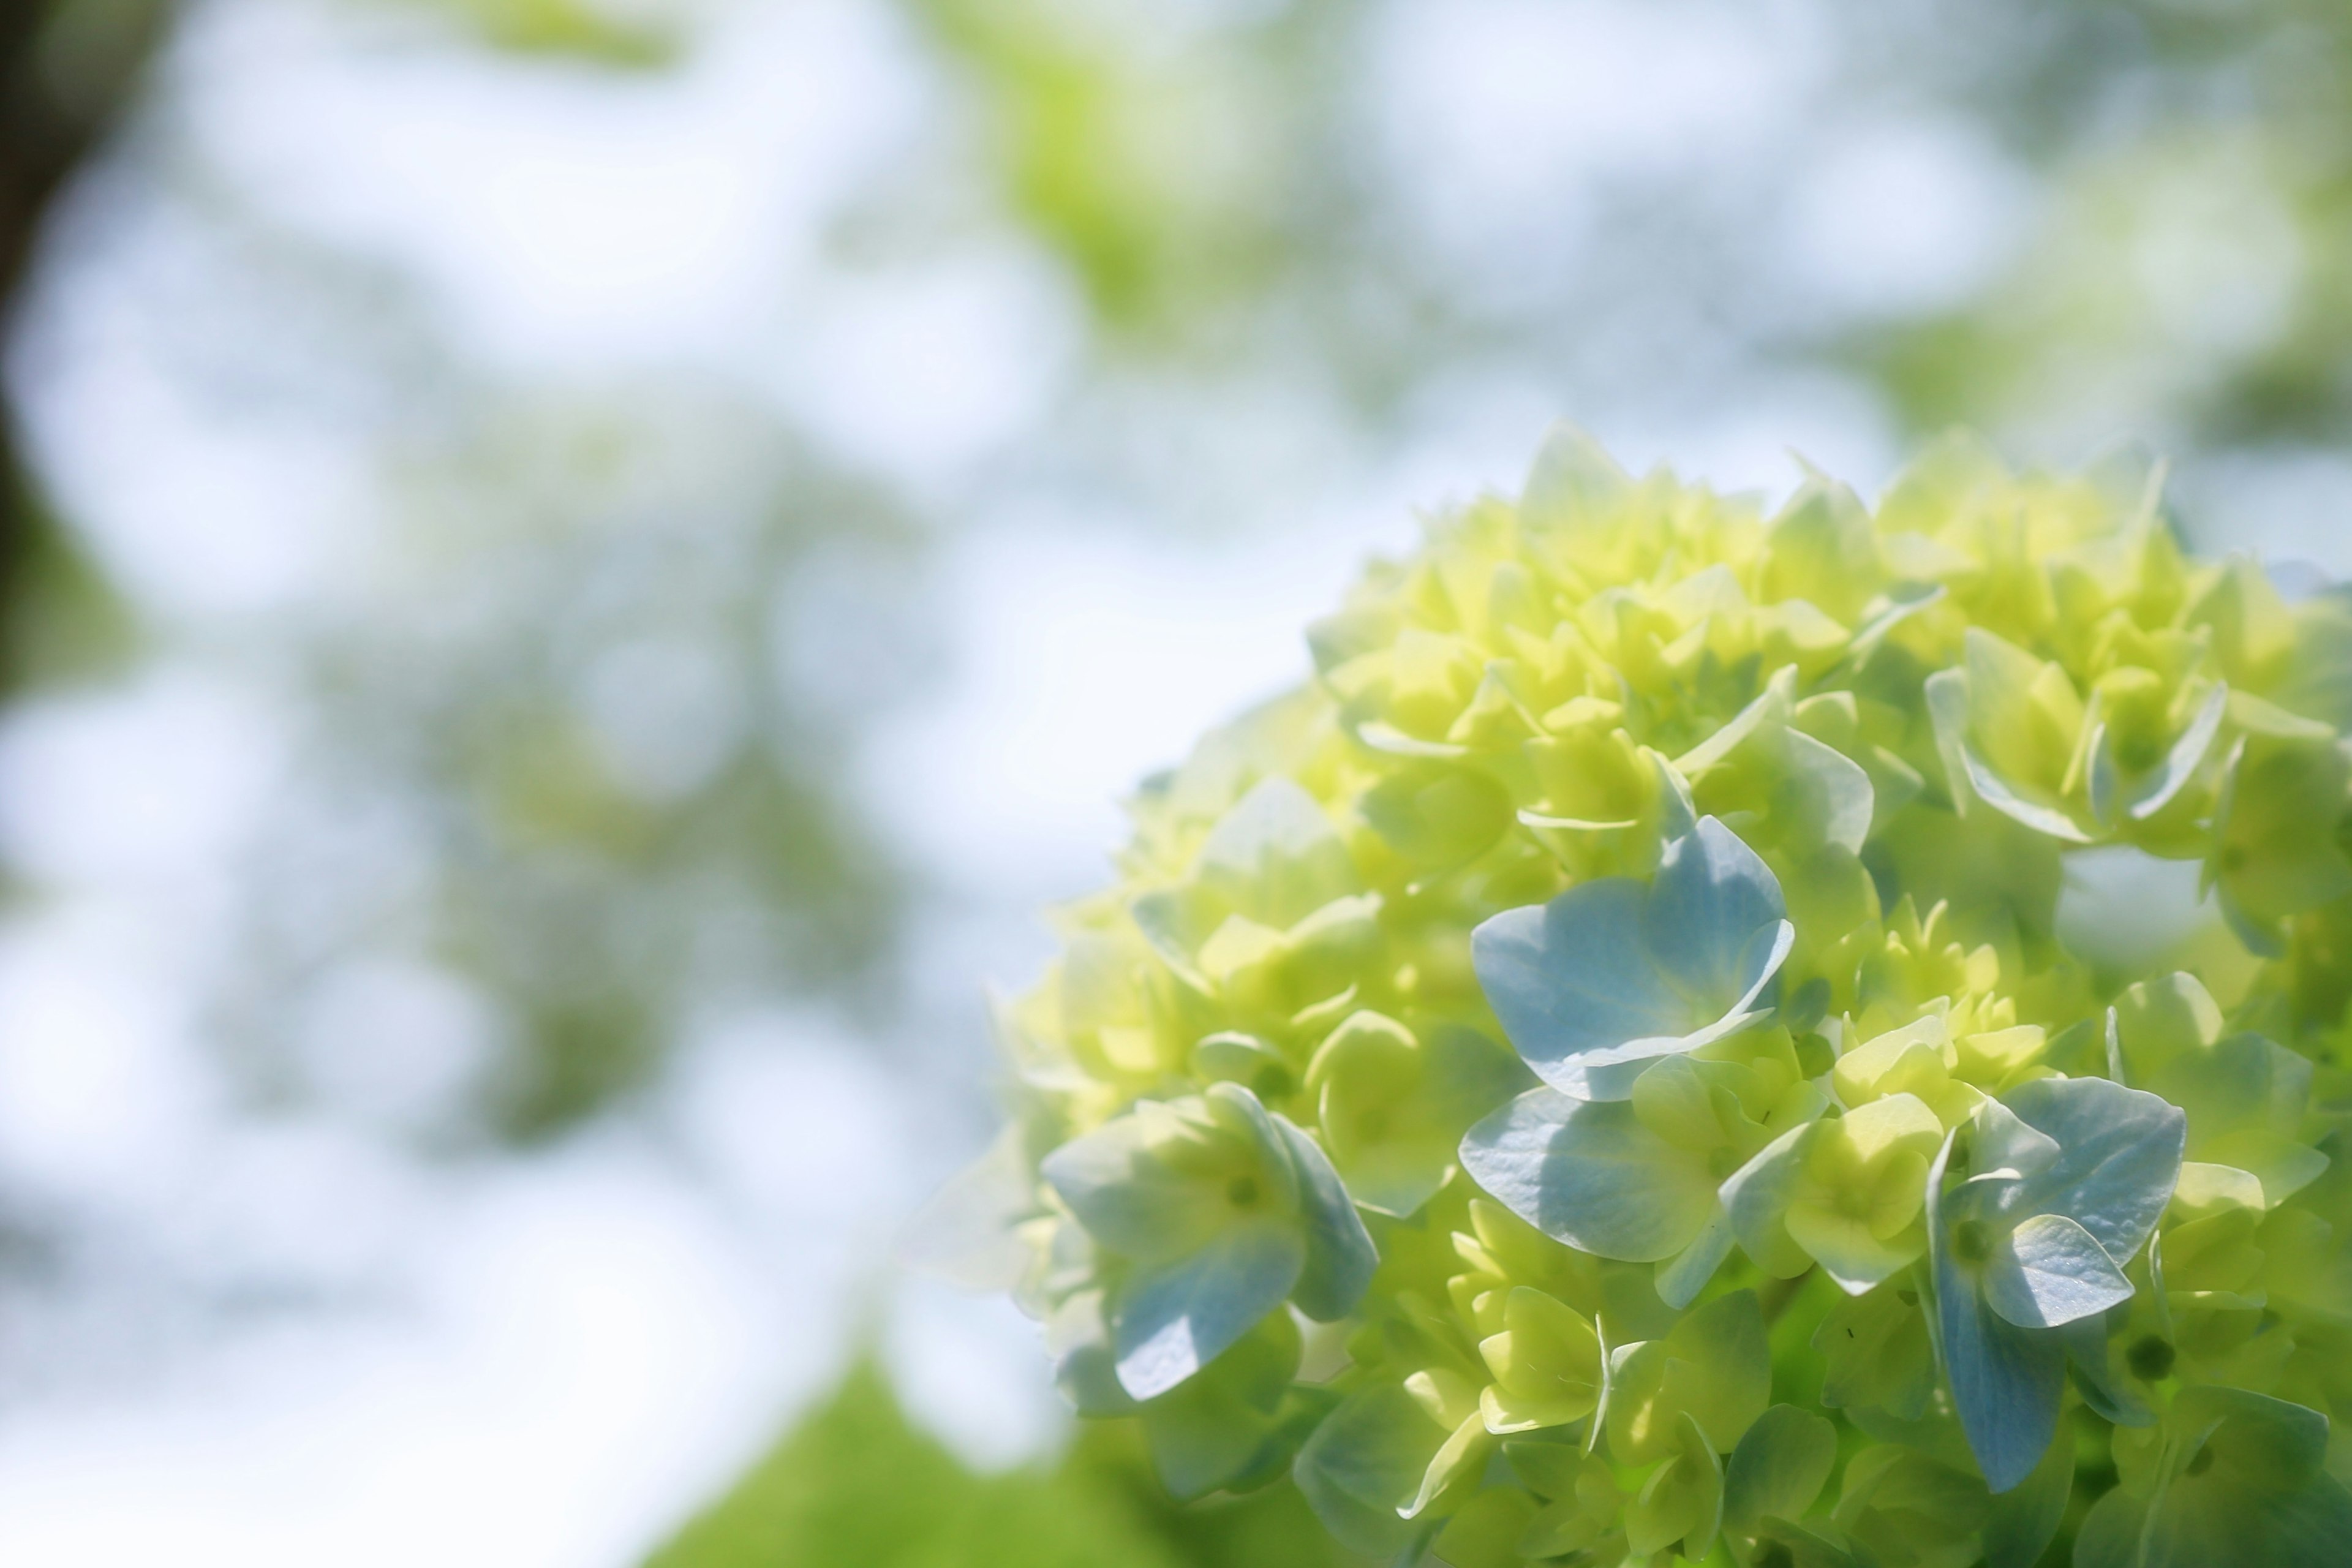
1275, 249
2195, 238
2188, 261
1167, 177
572, 29
563, 748
857, 1483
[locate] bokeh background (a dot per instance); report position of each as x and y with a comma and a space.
574, 572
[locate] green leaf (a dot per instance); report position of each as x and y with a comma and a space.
1612, 973
854, 1482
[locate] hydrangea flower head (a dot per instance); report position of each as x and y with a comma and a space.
1599, 1076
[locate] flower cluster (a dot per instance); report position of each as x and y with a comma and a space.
1598, 1077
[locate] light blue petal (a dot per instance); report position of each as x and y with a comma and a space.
2050, 1271
1904, 600
1682, 1277
2281, 1442
1339, 1253
2003, 1143
1591, 1174
1946, 691
1612, 972
2110, 1533
1569, 979
1131, 1206
1678, 813
2006, 1382
966, 1233
1171, 1322
1999, 793
2119, 1160
1714, 918
1826, 792
1756, 1196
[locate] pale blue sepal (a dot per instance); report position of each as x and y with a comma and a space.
2021, 1523
1904, 600
2245, 1486
1340, 1256
2005, 1145
2050, 1271
1126, 1201
1613, 972
1682, 1277
2120, 1157
1173, 1320
2006, 1382
1756, 1196
1678, 813
1716, 920
1590, 1173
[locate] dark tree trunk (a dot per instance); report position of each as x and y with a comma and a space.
68, 69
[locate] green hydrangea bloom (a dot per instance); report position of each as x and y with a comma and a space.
1596, 1079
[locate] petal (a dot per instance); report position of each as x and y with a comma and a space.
1363, 1465
2050, 1271
1713, 901
1756, 1199
1340, 1254
1275, 856
1612, 972
2006, 1382
2120, 1151
1569, 979
1591, 1174
1779, 1469
2025, 1521
1173, 1321
1680, 1279
1574, 484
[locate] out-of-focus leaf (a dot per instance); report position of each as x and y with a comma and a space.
857, 1483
